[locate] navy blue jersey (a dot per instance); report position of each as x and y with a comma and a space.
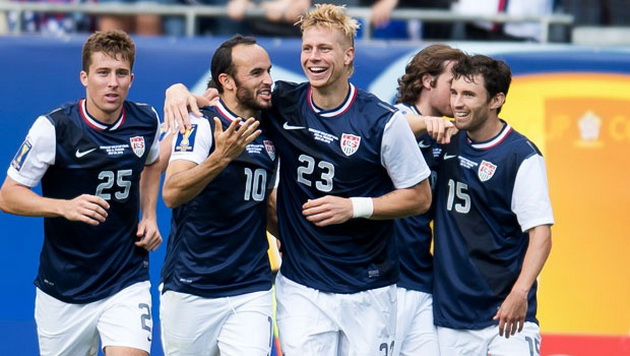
335, 152
81, 263
480, 241
413, 234
218, 245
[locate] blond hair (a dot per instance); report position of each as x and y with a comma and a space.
331, 16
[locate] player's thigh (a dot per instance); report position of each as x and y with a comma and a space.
415, 332
65, 328
454, 342
304, 323
191, 324
248, 329
126, 319
524, 343
368, 321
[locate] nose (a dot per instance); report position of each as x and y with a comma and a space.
112, 80
456, 100
267, 79
314, 55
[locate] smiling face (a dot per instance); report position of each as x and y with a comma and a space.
326, 56
107, 82
252, 79
473, 110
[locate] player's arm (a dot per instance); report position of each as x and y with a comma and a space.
179, 101
398, 203
185, 179
511, 315
148, 234
441, 129
531, 204
19, 199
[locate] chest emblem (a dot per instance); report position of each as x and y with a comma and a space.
137, 145
486, 170
271, 149
350, 143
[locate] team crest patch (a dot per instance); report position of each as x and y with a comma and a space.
271, 149
486, 170
186, 141
137, 145
20, 156
350, 143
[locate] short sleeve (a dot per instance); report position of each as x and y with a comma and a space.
35, 155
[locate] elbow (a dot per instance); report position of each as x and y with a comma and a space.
424, 198
424, 205
170, 199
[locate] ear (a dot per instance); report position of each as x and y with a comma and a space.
427, 80
226, 81
497, 101
131, 80
348, 56
83, 77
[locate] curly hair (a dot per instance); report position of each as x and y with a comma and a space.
431, 60
112, 43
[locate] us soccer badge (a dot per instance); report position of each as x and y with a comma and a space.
350, 143
137, 145
486, 170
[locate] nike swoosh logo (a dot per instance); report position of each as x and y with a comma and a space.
447, 156
80, 154
421, 144
286, 126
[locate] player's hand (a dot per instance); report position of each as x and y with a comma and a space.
230, 143
178, 101
274, 10
381, 12
440, 129
212, 95
511, 314
236, 9
86, 208
149, 237
328, 210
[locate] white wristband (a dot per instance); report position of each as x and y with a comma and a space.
362, 207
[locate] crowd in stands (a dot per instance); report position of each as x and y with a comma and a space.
280, 15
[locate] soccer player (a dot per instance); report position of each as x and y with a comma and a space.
216, 296
95, 159
348, 163
492, 222
424, 89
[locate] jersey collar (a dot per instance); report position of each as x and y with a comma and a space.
505, 131
96, 125
352, 94
227, 113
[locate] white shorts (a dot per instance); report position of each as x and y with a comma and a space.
314, 323
415, 332
229, 326
122, 320
487, 341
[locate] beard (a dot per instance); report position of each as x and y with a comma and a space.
247, 97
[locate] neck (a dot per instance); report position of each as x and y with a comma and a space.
232, 103
330, 97
424, 106
491, 127
101, 116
